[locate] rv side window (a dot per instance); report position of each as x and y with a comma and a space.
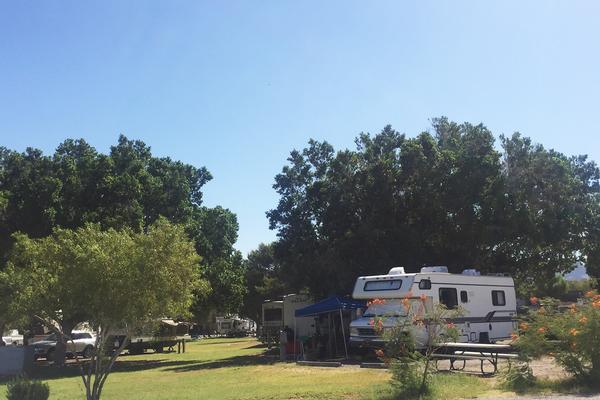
498, 298
448, 297
392, 284
464, 298
424, 284
273, 314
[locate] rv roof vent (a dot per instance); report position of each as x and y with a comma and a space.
396, 271
471, 272
439, 268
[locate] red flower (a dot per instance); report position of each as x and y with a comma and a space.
534, 300
524, 326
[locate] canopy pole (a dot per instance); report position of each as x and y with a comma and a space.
343, 334
294, 344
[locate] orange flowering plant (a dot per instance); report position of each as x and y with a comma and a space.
570, 334
418, 331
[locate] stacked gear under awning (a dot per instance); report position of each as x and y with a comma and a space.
331, 305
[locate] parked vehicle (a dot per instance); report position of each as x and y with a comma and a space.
488, 302
82, 343
272, 321
12, 337
279, 314
234, 326
156, 336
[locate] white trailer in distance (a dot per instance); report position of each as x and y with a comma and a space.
280, 314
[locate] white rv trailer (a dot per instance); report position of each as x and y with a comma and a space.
488, 302
233, 325
272, 321
277, 315
301, 326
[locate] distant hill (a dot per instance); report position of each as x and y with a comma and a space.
579, 273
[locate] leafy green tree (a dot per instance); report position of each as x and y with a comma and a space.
127, 188
445, 197
214, 231
263, 281
547, 197
113, 280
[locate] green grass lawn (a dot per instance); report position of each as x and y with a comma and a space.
238, 369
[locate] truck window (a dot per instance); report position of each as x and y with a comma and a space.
448, 297
464, 298
391, 284
424, 284
498, 298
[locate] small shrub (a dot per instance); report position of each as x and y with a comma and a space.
519, 377
407, 377
25, 389
411, 343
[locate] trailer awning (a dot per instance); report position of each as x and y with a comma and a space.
330, 304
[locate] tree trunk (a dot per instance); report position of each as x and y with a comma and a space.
60, 351
60, 354
97, 373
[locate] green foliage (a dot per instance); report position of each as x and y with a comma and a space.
113, 280
583, 285
263, 280
571, 336
25, 389
407, 377
412, 341
448, 197
127, 188
77, 185
518, 377
555, 287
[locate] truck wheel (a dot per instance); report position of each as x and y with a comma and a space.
88, 352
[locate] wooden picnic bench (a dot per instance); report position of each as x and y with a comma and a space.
485, 353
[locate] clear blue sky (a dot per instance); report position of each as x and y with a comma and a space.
235, 85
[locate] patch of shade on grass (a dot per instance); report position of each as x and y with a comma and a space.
218, 369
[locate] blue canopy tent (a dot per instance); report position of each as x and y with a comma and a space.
330, 305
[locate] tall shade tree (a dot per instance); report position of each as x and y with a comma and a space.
444, 197
113, 280
214, 231
548, 198
263, 281
126, 188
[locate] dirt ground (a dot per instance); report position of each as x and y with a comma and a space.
544, 368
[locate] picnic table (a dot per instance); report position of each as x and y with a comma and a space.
483, 352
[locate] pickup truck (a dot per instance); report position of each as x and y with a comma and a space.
82, 343
12, 337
